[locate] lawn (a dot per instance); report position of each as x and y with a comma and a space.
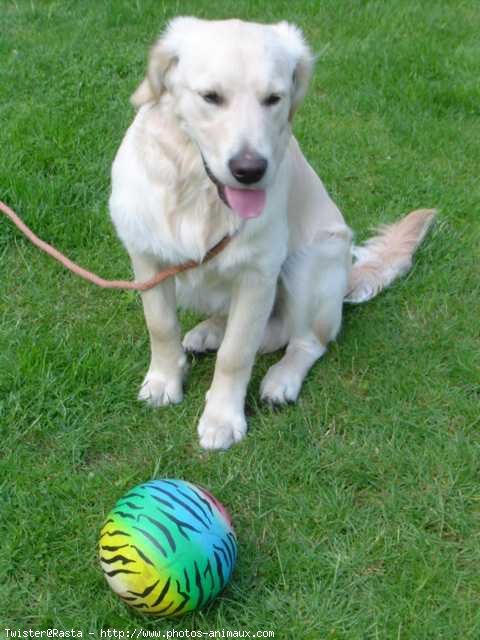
357, 510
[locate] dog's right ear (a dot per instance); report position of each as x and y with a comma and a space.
152, 87
163, 57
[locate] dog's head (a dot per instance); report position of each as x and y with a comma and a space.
236, 86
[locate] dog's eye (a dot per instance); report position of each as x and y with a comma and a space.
212, 97
272, 99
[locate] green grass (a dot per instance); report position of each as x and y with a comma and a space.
358, 509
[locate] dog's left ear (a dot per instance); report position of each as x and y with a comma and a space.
302, 58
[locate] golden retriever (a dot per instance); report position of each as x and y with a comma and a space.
211, 154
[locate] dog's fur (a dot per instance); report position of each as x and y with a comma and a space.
282, 280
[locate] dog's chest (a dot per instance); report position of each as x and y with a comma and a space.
208, 288
206, 292
165, 207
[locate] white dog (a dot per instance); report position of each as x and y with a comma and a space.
210, 154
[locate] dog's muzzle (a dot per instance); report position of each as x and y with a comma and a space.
219, 185
247, 203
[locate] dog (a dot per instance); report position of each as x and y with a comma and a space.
210, 154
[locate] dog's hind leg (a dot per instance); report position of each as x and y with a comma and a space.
315, 281
206, 335
284, 379
276, 334
277, 330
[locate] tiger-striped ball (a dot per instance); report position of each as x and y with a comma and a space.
167, 547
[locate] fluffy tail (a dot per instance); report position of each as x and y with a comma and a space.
388, 255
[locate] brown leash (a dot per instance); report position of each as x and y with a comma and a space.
101, 282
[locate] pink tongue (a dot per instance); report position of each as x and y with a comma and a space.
248, 203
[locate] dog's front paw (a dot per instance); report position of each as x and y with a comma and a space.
159, 389
280, 385
219, 428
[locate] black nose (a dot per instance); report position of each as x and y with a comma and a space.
248, 167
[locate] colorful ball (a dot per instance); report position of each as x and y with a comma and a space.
167, 547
